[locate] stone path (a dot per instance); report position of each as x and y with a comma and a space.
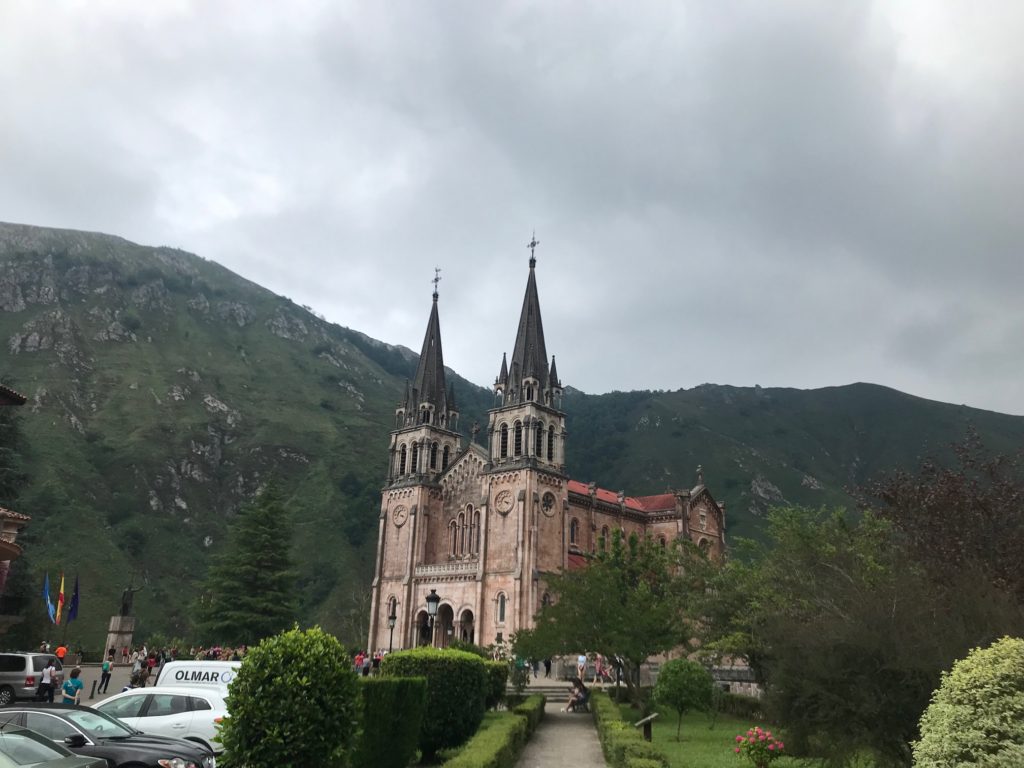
563, 740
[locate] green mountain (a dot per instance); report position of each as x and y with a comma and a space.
164, 390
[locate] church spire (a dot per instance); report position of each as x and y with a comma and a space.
529, 356
427, 402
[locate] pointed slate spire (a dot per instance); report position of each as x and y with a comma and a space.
502, 380
429, 383
529, 356
554, 383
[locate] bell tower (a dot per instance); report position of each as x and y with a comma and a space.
527, 489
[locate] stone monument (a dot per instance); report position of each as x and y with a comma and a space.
122, 626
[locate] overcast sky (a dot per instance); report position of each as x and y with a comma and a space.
785, 194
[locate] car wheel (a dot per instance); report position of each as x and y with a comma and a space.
6, 695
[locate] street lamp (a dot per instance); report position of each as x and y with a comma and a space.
432, 601
392, 619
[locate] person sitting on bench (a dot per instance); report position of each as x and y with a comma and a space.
578, 697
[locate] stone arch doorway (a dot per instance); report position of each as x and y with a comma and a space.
466, 630
445, 626
422, 629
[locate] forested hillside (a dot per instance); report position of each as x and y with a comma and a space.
164, 389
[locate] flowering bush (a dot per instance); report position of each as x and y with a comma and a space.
759, 746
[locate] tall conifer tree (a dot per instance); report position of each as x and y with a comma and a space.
249, 592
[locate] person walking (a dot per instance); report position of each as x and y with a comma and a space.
46, 681
547, 667
72, 688
105, 671
61, 652
598, 669
581, 666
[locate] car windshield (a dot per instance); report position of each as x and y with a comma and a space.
98, 725
26, 748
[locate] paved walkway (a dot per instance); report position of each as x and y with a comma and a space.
563, 740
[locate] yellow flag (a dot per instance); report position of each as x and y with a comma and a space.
60, 599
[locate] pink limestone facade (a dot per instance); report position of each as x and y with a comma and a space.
486, 525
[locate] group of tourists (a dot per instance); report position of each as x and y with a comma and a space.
50, 681
365, 664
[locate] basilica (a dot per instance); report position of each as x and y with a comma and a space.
479, 528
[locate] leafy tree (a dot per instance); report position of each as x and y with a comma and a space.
12, 444
627, 603
249, 591
846, 631
974, 717
295, 701
963, 521
683, 685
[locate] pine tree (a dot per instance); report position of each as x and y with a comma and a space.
249, 592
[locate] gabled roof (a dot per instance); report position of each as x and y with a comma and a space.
577, 561
662, 502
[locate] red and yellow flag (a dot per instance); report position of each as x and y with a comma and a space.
60, 599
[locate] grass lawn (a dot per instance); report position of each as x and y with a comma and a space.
702, 746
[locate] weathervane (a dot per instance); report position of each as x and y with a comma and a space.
534, 242
436, 280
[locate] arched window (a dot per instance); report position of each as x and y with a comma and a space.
661, 540
501, 608
551, 443
704, 545
433, 455
574, 530
476, 532
444, 459
392, 607
425, 416
504, 440
538, 442
415, 459
519, 439
401, 461
546, 599
604, 538
462, 533
453, 535
529, 391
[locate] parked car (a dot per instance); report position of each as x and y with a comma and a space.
19, 675
87, 732
195, 674
22, 748
184, 712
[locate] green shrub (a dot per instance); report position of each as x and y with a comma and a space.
295, 701
643, 762
975, 714
497, 744
533, 710
621, 741
743, 707
393, 709
497, 675
457, 685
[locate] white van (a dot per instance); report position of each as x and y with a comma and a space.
213, 674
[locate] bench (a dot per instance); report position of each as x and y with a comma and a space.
647, 724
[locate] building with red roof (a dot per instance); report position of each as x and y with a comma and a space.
480, 527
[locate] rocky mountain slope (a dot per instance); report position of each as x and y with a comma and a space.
164, 389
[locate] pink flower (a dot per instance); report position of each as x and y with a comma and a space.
737, 750
739, 738
781, 745
750, 732
762, 737
771, 747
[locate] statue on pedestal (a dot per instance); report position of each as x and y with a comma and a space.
127, 596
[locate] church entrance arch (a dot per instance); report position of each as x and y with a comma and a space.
466, 629
422, 629
445, 626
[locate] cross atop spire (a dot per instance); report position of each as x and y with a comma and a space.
436, 280
534, 242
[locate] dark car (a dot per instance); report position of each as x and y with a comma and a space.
22, 747
90, 733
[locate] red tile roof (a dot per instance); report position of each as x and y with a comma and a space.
577, 561
658, 503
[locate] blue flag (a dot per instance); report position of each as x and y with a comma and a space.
73, 608
46, 597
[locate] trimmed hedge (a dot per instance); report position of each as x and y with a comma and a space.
273, 719
497, 744
393, 709
743, 707
620, 741
533, 710
457, 685
497, 677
